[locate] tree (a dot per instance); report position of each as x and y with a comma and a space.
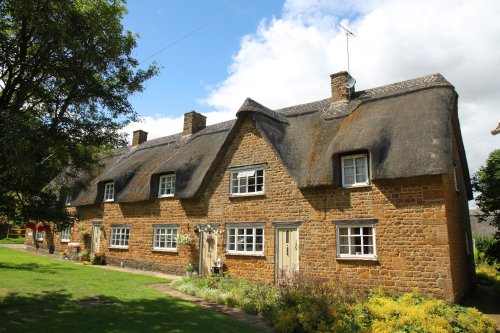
487, 182
66, 73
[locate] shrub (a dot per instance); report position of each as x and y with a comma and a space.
487, 250
412, 312
99, 259
307, 305
84, 256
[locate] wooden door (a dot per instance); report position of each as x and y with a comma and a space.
288, 251
96, 237
208, 252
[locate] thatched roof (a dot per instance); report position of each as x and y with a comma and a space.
405, 127
496, 130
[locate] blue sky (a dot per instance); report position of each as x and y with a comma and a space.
200, 60
281, 53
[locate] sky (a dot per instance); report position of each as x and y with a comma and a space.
214, 54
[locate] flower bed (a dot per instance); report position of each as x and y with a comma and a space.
303, 305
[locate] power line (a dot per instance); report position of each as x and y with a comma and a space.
192, 32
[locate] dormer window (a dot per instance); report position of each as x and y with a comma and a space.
109, 191
247, 181
167, 186
69, 200
355, 170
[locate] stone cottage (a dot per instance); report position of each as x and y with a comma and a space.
369, 187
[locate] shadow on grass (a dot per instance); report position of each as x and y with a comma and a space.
56, 312
33, 267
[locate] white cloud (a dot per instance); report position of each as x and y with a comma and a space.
288, 59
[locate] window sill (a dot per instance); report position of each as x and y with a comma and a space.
356, 186
244, 195
166, 196
165, 250
112, 200
245, 254
118, 247
357, 258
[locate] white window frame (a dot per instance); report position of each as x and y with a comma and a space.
243, 174
109, 192
168, 191
39, 235
120, 237
66, 234
244, 239
354, 157
165, 230
349, 227
69, 200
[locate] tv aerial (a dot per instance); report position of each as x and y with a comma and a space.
348, 33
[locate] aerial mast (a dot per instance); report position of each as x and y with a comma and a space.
347, 34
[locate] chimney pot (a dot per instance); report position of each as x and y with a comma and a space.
340, 91
193, 122
139, 137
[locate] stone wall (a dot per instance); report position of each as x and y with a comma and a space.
418, 243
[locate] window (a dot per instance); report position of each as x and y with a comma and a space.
120, 236
39, 235
109, 191
354, 170
356, 241
247, 181
164, 237
69, 200
245, 240
167, 186
66, 234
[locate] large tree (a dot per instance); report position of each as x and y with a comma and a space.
66, 73
487, 182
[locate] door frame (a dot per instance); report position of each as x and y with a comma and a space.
215, 227
277, 227
96, 223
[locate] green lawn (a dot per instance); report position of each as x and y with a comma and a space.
19, 240
46, 295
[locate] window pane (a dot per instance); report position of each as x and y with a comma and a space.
348, 162
344, 249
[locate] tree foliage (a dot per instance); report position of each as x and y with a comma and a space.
66, 73
487, 182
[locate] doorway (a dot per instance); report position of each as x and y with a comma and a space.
287, 254
208, 251
96, 237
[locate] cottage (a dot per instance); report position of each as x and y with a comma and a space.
369, 187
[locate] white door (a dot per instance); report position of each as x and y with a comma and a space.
288, 252
208, 252
96, 237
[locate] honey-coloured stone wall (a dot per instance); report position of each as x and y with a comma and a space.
421, 225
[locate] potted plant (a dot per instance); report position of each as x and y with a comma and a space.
189, 269
183, 239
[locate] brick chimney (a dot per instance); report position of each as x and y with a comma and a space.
193, 122
340, 92
139, 137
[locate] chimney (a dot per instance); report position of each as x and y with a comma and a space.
139, 137
193, 122
340, 89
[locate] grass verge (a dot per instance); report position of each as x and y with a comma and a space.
18, 240
46, 295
